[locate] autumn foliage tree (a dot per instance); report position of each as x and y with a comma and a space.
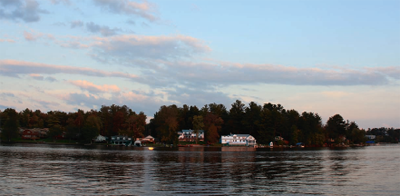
166, 121
212, 124
135, 125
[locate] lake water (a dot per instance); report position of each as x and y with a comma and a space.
39, 169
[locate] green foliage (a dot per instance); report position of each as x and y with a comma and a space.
55, 131
167, 124
88, 133
212, 124
236, 116
336, 128
385, 134
198, 124
9, 126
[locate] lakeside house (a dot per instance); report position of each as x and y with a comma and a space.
370, 137
121, 140
188, 135
238, 140
143, 141
30, 134
34, 134
147, 139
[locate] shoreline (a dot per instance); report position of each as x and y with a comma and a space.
196, 145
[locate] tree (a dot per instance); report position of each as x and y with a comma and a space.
135, 125
88, 133
311, 128
79, 121
236, 116
198, 124
94, 121
357, 136
9, 118
24, 118
266, 126
220, 111
105, 116
212, 124
55, 131
252, 118
184, 117
336, 127
166, 122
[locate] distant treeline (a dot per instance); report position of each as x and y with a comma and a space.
268, 122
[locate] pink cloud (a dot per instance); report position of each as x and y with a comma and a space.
33, 36
83, 84
7, 40
36, 76
142, 9
134, 96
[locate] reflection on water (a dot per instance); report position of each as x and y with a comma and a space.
93, 170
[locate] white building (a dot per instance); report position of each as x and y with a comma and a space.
370, 137
190, 136
100, 138
238, 140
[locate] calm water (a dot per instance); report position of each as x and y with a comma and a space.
37, 169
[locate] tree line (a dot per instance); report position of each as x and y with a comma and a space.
268, 122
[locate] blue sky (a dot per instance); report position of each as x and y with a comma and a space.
326, 57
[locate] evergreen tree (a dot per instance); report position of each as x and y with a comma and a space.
9, 126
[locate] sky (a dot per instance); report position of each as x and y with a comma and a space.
328, 57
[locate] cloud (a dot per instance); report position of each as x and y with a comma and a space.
103, 30
47, 105
3, 95
65, 2
92, 88
95, 28
3, 107
197, 74
36, 76
393, 72
137, 102
199, 97
76, 23
33, 36
126, 48
143, 9
25, 10
15, 68
40, 77
7, 40
87, 100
